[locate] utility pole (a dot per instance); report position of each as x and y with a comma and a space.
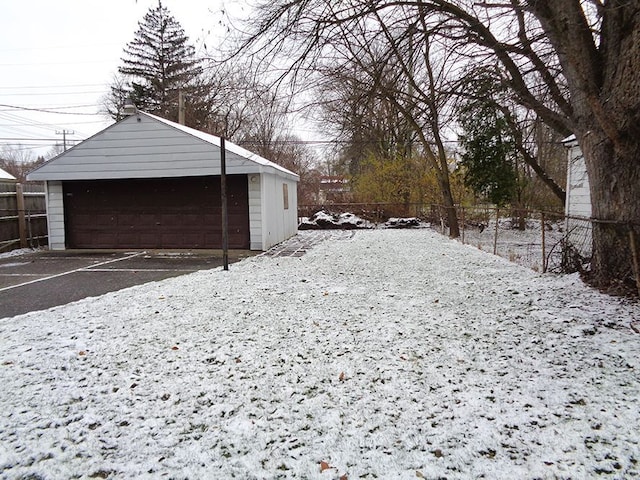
223, 201
64, 137
181, 108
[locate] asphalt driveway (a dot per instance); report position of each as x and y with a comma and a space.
41, 280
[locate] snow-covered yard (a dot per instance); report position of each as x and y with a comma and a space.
393, 354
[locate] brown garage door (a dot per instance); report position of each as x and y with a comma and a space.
155, 213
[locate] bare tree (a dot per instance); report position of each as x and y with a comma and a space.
18, 161
573, 62
382, 63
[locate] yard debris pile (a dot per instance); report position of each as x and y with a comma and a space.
324, 220
410, 222
393, 354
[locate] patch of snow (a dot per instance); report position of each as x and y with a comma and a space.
395, 354
19, 252
523, 247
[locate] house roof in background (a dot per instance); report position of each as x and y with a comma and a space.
4, 175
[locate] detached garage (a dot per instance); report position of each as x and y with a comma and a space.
146, 182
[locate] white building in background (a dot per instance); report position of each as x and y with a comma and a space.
578, 200
6, 176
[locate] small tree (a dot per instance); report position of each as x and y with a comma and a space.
489, 153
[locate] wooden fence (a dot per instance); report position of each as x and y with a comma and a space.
23, 216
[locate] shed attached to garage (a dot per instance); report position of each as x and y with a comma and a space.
146, 182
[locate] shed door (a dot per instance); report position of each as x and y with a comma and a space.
155, 213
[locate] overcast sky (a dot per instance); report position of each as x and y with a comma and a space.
62, 55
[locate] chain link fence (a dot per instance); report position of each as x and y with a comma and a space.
543, 241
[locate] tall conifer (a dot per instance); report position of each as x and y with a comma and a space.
157, 64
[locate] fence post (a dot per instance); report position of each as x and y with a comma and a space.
22, 223
495, 236
634, 255
462, 221
544, 251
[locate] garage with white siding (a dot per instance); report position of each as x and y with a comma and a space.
146, 182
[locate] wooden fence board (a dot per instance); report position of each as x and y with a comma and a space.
23, 218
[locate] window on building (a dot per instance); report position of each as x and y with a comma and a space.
285, 195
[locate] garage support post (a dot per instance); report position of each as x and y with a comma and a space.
223, 197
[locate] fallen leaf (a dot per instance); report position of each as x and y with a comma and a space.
174, 348
324, 466
343, 477
419, 474
82, 352
341, 377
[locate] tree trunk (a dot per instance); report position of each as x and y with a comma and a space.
614, 179
449, 205
605, 90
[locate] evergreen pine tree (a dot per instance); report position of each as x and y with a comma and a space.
158, 64
489, 147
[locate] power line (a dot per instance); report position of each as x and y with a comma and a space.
50, 94
49, 64
42, 110
53, 107
34, 87
19, 124
16, 139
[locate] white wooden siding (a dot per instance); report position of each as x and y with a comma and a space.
55, 215
578, 201
144, 146
290, 216
278, 223
255, 213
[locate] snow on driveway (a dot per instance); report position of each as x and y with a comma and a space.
394, 354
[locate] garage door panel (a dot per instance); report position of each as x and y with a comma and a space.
154, 213
147, 239
147, 220
192, 220
100, 220
128, 219
127, 238
171, 219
